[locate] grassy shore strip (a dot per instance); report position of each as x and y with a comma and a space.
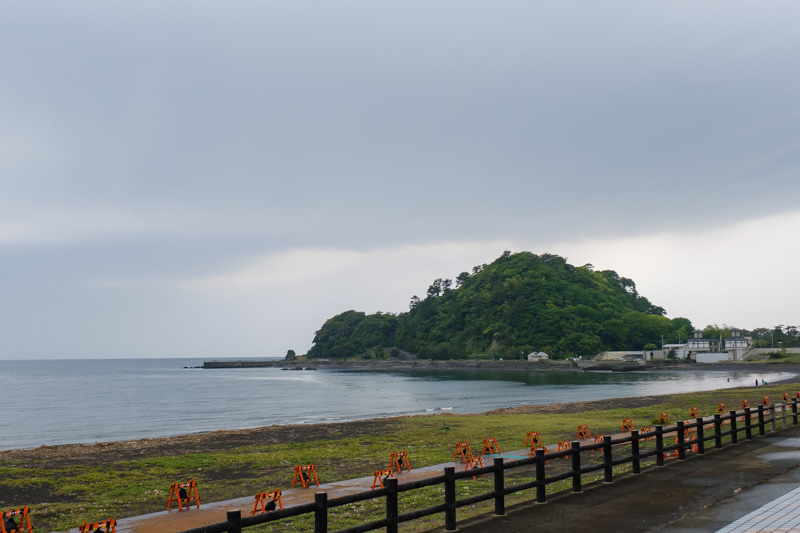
67, 485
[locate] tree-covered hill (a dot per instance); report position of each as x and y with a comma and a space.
517, 304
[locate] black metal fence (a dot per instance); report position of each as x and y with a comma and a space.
684, 441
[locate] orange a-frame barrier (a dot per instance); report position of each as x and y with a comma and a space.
647, 430
473, 463
399, 460
627, 425
379, 475
786, 398
303, 474
766, 403
540, 447
663, 418
109, 526
745, 403
178, 493
583, 432
722, 409
272, 499
24, 514
694, 412
533, 439
463, 449
491, 446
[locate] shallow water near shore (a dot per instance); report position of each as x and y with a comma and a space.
85, 401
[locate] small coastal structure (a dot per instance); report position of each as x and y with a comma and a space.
538, 356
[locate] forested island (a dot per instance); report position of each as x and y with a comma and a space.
518, 304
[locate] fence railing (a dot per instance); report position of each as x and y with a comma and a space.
764, 415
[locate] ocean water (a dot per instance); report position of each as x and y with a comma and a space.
84, 401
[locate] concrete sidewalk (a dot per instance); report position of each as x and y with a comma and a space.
701, 494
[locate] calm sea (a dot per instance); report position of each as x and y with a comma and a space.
84, 401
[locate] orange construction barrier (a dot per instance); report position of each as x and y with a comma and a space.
539, 447
745, 403
303, 474
463, 449
492, 446
533, 438
583, 432
178, 493
400, 460
272, 499
797, 394
647, 430
786, 398
562, 446
24, 514
474, 462
722, 409
627, 425
109, 525
663, 418
379, 476
765, 401
694, 412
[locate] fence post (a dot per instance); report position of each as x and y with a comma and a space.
499, 487
794, 412
607, 460
636, 467
717, 431
541, 495
681, 441
761, 429
659, 445
391, 505
576, 466
235, 521
748, 424
701, 436
321, 512
450, 498
734, 429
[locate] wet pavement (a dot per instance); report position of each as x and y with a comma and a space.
750, 486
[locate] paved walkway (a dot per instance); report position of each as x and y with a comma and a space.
782, 514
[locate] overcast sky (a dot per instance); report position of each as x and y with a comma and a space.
216, 179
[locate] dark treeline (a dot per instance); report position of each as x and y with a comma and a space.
517, 304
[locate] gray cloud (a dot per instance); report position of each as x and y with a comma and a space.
166, 141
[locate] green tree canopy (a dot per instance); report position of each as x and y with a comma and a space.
519, 303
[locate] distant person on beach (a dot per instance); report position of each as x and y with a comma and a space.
729, 380
763, 382
756, 382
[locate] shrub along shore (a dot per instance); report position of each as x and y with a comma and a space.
67, 485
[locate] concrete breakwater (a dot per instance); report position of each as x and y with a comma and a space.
580, 365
